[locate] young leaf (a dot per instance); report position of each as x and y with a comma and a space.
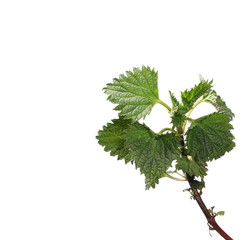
177, 119
210, 137
174, 100
111, 137
191, 167
151, 153
220, 213
213, 98
189, 97
198, 184
135, 93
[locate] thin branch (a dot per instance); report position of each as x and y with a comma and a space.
191, 110
174, 178
197, 196
180, 174
164, 104
209, 216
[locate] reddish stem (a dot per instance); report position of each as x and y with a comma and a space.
210, 217
197, 196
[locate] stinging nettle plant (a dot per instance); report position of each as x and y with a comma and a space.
182, 149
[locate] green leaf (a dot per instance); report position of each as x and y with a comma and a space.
151, 182
111, 137
189, 97
177, 116
195, 184
220, 213
213, 98
210, 137
151, 153
177, 119
174, 100
191, 167
135, 92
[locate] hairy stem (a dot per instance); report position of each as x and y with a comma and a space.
209, 216
197, 196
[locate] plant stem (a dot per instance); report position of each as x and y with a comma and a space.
166, 129
174, 178
209, 216
197, 196
164, 104
194, 106
180, 174
189, 113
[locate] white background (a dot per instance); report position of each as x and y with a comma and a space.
56, 182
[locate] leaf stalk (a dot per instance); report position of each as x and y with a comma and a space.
174, 178
167, 129
164, 104
189, 113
